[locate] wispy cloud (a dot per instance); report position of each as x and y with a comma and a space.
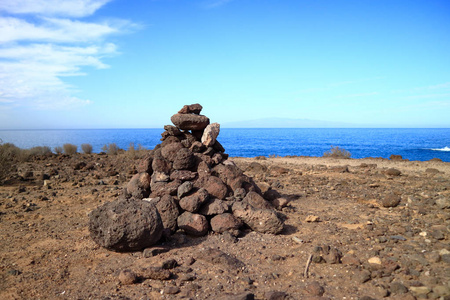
36, 55
214, 3
68, 8
428, 96
357, 95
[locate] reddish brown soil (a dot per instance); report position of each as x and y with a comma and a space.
46, 251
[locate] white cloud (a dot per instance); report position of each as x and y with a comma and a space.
36, 55
69, 8
54, 30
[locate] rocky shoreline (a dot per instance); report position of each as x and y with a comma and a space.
224, 228
359, 248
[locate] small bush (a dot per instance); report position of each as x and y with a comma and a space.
70, 149
337, 152
58, 149
136, 153
87, 148
111, 149
40, 150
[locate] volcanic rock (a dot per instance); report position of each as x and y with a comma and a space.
125, 225
193, 224
139, 186
260, 220
193, 202
168, 211
225, 222
190, 121
191, 109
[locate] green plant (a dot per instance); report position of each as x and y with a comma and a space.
87, 148
337, 152
111, 149
70, 149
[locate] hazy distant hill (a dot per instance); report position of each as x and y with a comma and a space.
287, 123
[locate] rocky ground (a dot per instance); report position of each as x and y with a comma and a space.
354, 229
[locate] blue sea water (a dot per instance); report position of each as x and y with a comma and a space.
412, 144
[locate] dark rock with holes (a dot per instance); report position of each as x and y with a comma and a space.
260, 220
126, 225
168, 211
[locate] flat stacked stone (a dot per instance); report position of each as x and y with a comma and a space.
190, 181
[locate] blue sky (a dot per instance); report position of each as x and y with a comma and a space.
132, 64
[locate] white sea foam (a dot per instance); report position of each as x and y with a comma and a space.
442, 149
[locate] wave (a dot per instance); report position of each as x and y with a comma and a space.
442, 149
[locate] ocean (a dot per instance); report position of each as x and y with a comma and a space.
413, 144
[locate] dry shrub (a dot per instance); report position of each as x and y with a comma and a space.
58, 149
136, 152
87, 148
40, 150
111, 149
70, 149
337, 152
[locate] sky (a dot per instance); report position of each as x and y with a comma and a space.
133, 64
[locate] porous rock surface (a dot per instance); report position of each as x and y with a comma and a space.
125, 225
190, 181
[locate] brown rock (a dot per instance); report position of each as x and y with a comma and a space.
391, 200
125, 225
184, 189
214, 185
184, 159
393, 172
127, 277
190, 121
275, 295
193, 224
279, 203
315, 289
139, 186
145, 164
191, 109
257, 201
216, 256
225, 222
168, 210
271, 195
183, 175
260, 220
172, 130
160, 164
155, 273
193, 202
170, 151
214, 206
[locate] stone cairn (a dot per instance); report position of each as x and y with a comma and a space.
186, 182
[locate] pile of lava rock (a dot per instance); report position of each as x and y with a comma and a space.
185, 183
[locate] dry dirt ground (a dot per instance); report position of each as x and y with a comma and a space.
339, 241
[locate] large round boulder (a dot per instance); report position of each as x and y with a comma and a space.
126, 225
